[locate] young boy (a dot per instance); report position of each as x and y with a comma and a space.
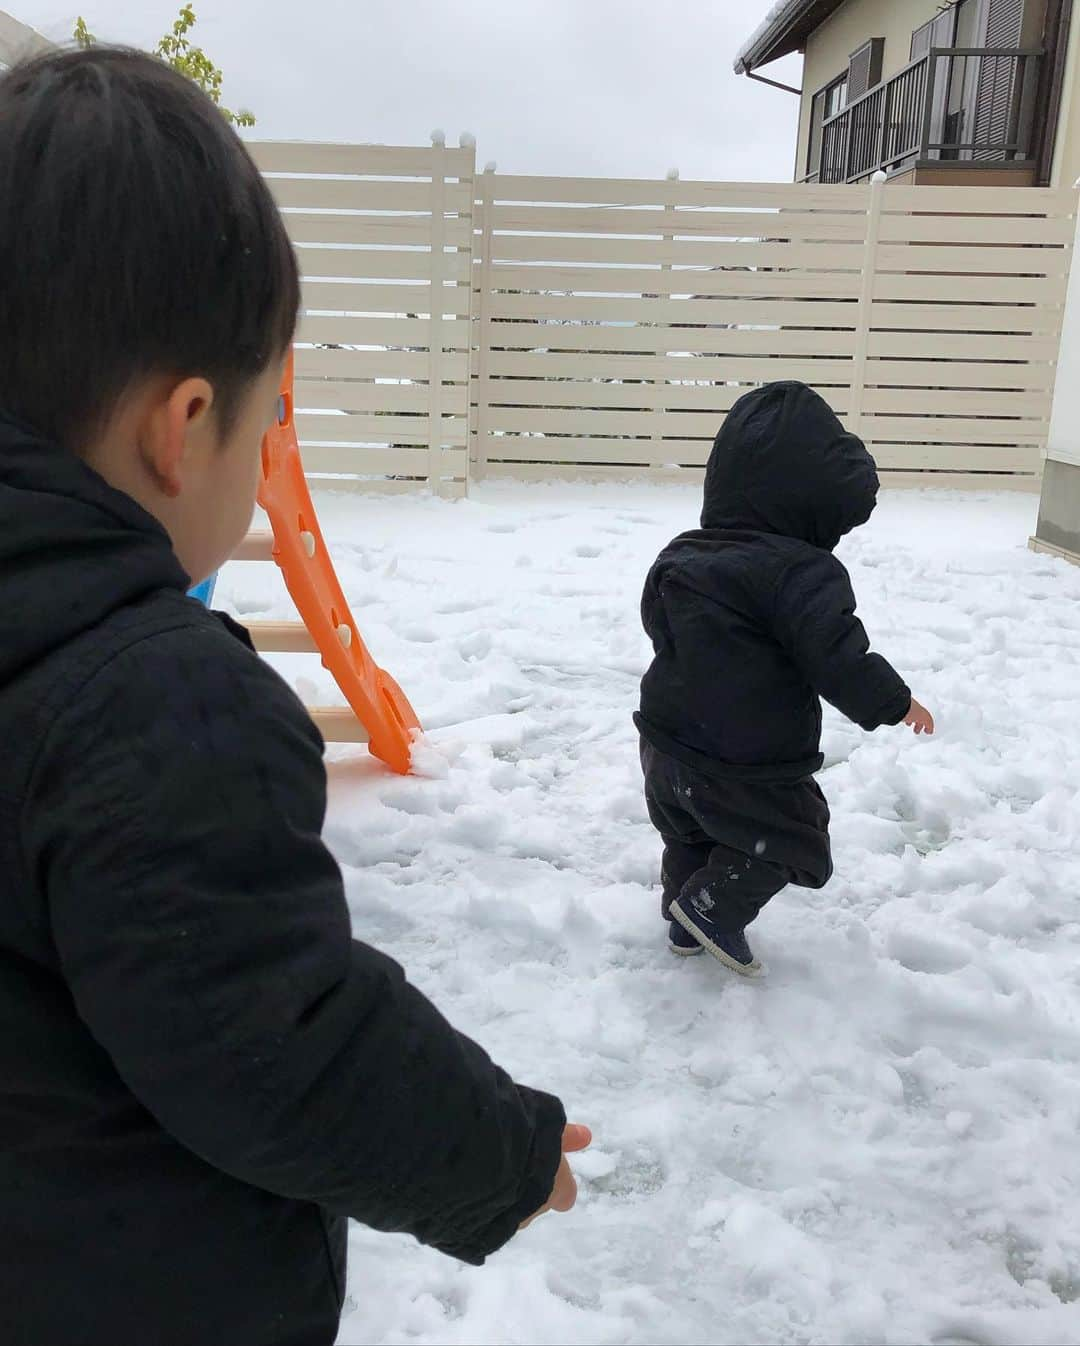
752, 620
201, 1073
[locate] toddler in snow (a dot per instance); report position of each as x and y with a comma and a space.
752, 619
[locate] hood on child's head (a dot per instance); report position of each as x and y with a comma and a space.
782, 463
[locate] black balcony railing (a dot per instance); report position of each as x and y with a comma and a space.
957, 105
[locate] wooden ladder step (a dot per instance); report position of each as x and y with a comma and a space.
338, 724
281, 638
255, 547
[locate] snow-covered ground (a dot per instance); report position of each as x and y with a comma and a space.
878, 1143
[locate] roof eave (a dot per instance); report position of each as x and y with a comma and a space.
785, 30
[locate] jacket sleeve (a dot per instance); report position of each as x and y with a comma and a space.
650, 596
174, 825
815, 622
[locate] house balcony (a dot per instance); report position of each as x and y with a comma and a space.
956, 108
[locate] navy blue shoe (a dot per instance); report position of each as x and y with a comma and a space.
726, 946
682, 942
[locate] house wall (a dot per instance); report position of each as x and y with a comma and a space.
1066, 167
830, 46
1059, 512
18, 41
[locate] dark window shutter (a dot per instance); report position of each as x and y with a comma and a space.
864, 68
997, 88
939, 32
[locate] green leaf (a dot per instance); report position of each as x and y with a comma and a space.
176, 49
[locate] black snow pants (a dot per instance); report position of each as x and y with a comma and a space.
735, 842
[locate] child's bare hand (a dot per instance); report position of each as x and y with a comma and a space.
564, 1193
919, 718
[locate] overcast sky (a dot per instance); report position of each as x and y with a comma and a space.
614, 87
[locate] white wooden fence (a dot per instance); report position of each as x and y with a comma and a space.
458, 326
384, 238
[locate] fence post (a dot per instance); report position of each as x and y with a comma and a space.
435, 329
659, 386
478, 451
467, 141
865, 311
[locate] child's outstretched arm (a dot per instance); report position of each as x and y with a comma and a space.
814, 619
174, 832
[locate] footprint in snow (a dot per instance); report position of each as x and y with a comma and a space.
924, 953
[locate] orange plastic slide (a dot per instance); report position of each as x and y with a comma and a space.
299, 550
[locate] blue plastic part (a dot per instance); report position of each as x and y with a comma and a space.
204, 592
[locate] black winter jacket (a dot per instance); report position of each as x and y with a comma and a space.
201, 1072
751, 616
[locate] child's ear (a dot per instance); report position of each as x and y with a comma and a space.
177, 423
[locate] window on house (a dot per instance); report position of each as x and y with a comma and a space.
836, 97
826, 103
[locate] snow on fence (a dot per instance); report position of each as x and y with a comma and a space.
459, 325
384, 239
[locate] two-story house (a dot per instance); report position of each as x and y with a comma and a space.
975, 92
972, 91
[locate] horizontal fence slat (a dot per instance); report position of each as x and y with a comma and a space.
356, 297
594, 449
375, 264
982, 260
890, 479
688, 424
695, 253
407, 462
951, 430
371, 230
509, 187
366, 194
963, 346
313, 362
978, 317
659, 368
1033, 201
992, 402
392, 161
372, 428
714, 340
955, 458
954, 288
975, 229
787, 224
401, 332
967, 374
310, 395
725, 282
562, 392
717, 312
582, 422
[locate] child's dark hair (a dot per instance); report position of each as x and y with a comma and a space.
137, 238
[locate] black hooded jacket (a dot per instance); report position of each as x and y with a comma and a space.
751, 617
201, 1072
